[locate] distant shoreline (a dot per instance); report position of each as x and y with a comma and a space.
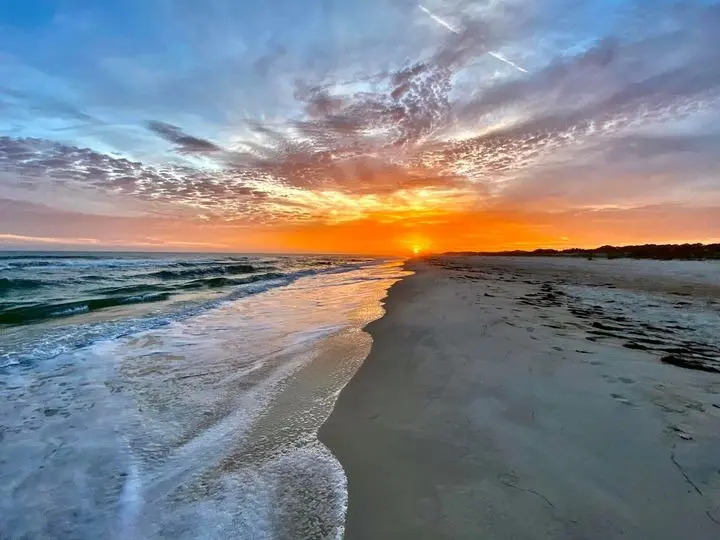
665, 252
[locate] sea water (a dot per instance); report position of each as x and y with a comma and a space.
177, 396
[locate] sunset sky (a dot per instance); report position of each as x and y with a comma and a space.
367, 126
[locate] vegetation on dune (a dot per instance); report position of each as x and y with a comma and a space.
645, 251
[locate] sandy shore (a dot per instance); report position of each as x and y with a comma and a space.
526, 398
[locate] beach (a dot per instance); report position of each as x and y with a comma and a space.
519, 398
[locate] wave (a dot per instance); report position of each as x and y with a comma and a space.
131, 289
178, 271
224, 260
29, 260
230, 269
118, 296
65, 338
30, 263
60, 339
208, 282
19, 284
214, 282
35, 313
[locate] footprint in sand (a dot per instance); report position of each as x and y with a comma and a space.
624, 380
622, 399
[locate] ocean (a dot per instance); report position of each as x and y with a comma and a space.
177, 395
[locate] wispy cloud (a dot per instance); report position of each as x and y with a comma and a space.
24, 239
10, 240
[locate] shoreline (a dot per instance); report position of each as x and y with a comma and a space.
488, 408
326, 434
202, 427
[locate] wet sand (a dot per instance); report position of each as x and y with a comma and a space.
527, 398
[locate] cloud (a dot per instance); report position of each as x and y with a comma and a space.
24, 240
46, 105
384, 139
184, 143
36, 160
13, 239
626, 111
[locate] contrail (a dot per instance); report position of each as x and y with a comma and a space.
508, 62
438, 20
447, 25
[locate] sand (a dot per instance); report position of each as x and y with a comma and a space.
526, 398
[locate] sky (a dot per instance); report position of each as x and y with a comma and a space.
364, 126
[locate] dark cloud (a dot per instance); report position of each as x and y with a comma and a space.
184, 143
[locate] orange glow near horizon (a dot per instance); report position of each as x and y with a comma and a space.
480, 231
387, 235
396, 225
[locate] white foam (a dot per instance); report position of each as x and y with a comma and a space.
131, 500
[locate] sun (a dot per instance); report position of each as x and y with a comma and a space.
415, 244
